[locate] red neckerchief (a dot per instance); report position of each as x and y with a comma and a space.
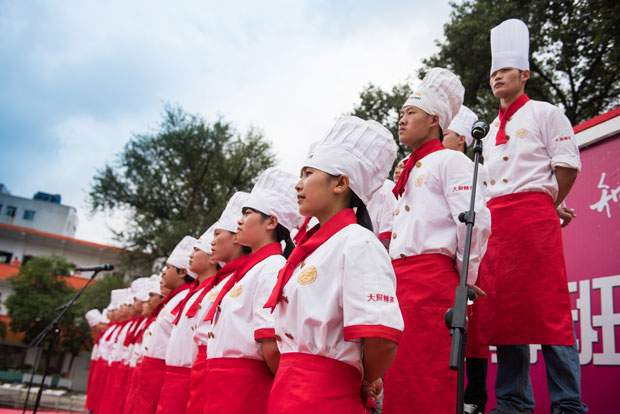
132, 332
208, 284
178, 310
302, 231
108, 332
123, 323
255, 258
426, 148
504, 114
310, 242
103, 331
138, 337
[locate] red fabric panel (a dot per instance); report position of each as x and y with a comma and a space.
132, 379
174, 391
198, 383
92, 374
308, 384
371, 331
524, 275
420, 378
153, 371
237, 385
264, 333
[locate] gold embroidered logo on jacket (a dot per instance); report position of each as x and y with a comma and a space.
213, 295
521, 133
307, 276
236, 291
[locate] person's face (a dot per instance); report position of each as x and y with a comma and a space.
125, 312
508, 82
224, 245
154, 300
398, 170
315, 191
200, 261
453, 141
173, 278
253, 228
415, 126
136, 307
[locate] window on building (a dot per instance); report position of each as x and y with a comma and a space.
5, 257
10, 211
29, 214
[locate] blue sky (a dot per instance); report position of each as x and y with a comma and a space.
78, 78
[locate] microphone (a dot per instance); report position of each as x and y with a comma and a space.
95, 268
480, 129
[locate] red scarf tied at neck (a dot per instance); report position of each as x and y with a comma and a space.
425, 149
314, 238
505, 114
261, 254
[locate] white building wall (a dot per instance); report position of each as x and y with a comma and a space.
48, 217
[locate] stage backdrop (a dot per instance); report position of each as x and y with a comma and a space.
592, 250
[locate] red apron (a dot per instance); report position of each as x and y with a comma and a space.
92, 375
473, 348
198, 383
134, 380
524, 275
237, 385
152, 373
307, 384
420, 378
99, 385
110, 392
174, 391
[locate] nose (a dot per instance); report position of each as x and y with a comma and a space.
299, 186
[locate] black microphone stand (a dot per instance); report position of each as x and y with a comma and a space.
53, 328
456, 317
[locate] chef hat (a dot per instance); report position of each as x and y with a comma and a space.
104, 316
440, 93
274, 194
510, 45
232, 213
179, 257
204, 242
140, 288
93, 317
116, 298
363, 150
462, 122
154, 285
128, 297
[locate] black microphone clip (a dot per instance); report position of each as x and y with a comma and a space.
480, 129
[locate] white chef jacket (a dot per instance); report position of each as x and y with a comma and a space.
128, 357
381, 210
539, 139
243, 321
106, 343
182, 349
342, 292
158, 333
201, 327
426, 216
119, 347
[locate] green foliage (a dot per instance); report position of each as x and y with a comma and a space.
177, 180
97, 294
39, 288
384, 107
574, 52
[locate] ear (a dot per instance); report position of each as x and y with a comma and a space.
272, 223
342, 184
462, 139
182, 273
434, 121
525, 75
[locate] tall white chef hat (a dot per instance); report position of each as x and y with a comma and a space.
363, 150
116, 298
128, 297
274, 194
510, 45
441, 93
179, 257
204, 242
154, 285
93, 317
139, 288
462, 122
232, 213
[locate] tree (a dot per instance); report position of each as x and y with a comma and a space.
384, 107
574, 52
97, 294
39, 288
177, 180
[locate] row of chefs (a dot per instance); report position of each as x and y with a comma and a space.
250, 321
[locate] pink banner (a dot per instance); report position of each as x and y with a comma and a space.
592, 251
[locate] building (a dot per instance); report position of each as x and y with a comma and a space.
42, 212
41, 227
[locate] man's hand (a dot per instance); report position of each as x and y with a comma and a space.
373, 389
566, 214
479, 292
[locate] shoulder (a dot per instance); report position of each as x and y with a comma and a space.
272, 263
355, 237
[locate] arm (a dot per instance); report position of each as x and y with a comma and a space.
566, 178
271, 354
379, 354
